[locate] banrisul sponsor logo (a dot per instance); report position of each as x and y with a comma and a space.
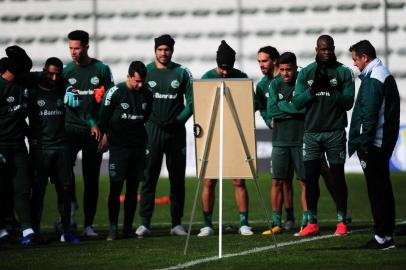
152, 84
95, 80
10, 99
41, 103
125, 106
72, 81
175, 84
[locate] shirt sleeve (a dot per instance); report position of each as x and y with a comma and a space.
188, 110
346, 99
107, 108
301, 94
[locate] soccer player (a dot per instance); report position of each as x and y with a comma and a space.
287, 137
125, 109
87, 80
373, 134
14, 169
48, 150
170, 84
326, 89
225, 69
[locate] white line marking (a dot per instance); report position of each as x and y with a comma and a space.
260, 249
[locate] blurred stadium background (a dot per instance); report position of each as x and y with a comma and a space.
123, 30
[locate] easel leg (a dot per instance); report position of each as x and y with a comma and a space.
192, 215
267, 216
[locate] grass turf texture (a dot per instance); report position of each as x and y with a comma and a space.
162, 250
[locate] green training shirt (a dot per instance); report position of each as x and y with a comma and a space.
123, 114
261, 96
13, 111
288, 121
235, 73
85, 79
46, 114
169, 88
326, 110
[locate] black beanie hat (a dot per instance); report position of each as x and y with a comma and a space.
18, 60
139, 67
164, 40
225, 56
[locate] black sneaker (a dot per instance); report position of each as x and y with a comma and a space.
373, 244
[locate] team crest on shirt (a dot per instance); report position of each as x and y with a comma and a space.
72, 81
152, 83
146, 152
363, 164
333, 82
280, 96
41, 103
95, 80
59, 102
144, 106
125, 106
10, 99
267, 95
310, 82
175, 84
342, 155
26, 92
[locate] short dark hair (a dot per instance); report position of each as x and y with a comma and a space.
327, 38
271, 51
288, 58
363, 47
54, 61
81, 35
3, 64
139, 67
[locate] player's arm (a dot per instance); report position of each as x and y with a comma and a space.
107, 109
346, 99
302, 94
260, 101
187, 111
273, 111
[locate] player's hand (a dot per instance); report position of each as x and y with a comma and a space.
99, 93
103, 144
95, 131
321, 81
71, 99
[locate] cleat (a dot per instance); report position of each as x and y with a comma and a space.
69, 238
289, 225
310, 230
28, 240
112, 235
298, 233
374, 244
275, 230
142, 231
245, 230
178, 230
89, 232
341, 229
206, 231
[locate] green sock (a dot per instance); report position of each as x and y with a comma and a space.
305, 218
243, 218
290, 214
341, 216
276, 218
207, 219
312, 215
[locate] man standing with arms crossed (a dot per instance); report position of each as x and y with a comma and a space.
87, 80
373, 134
326, 89
170, 84
225, 69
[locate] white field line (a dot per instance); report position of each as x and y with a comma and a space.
260, 249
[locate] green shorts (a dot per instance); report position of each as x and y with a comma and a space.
333, 143
283, 159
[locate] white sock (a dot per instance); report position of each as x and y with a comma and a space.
380, 240
27, 232
3, 232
